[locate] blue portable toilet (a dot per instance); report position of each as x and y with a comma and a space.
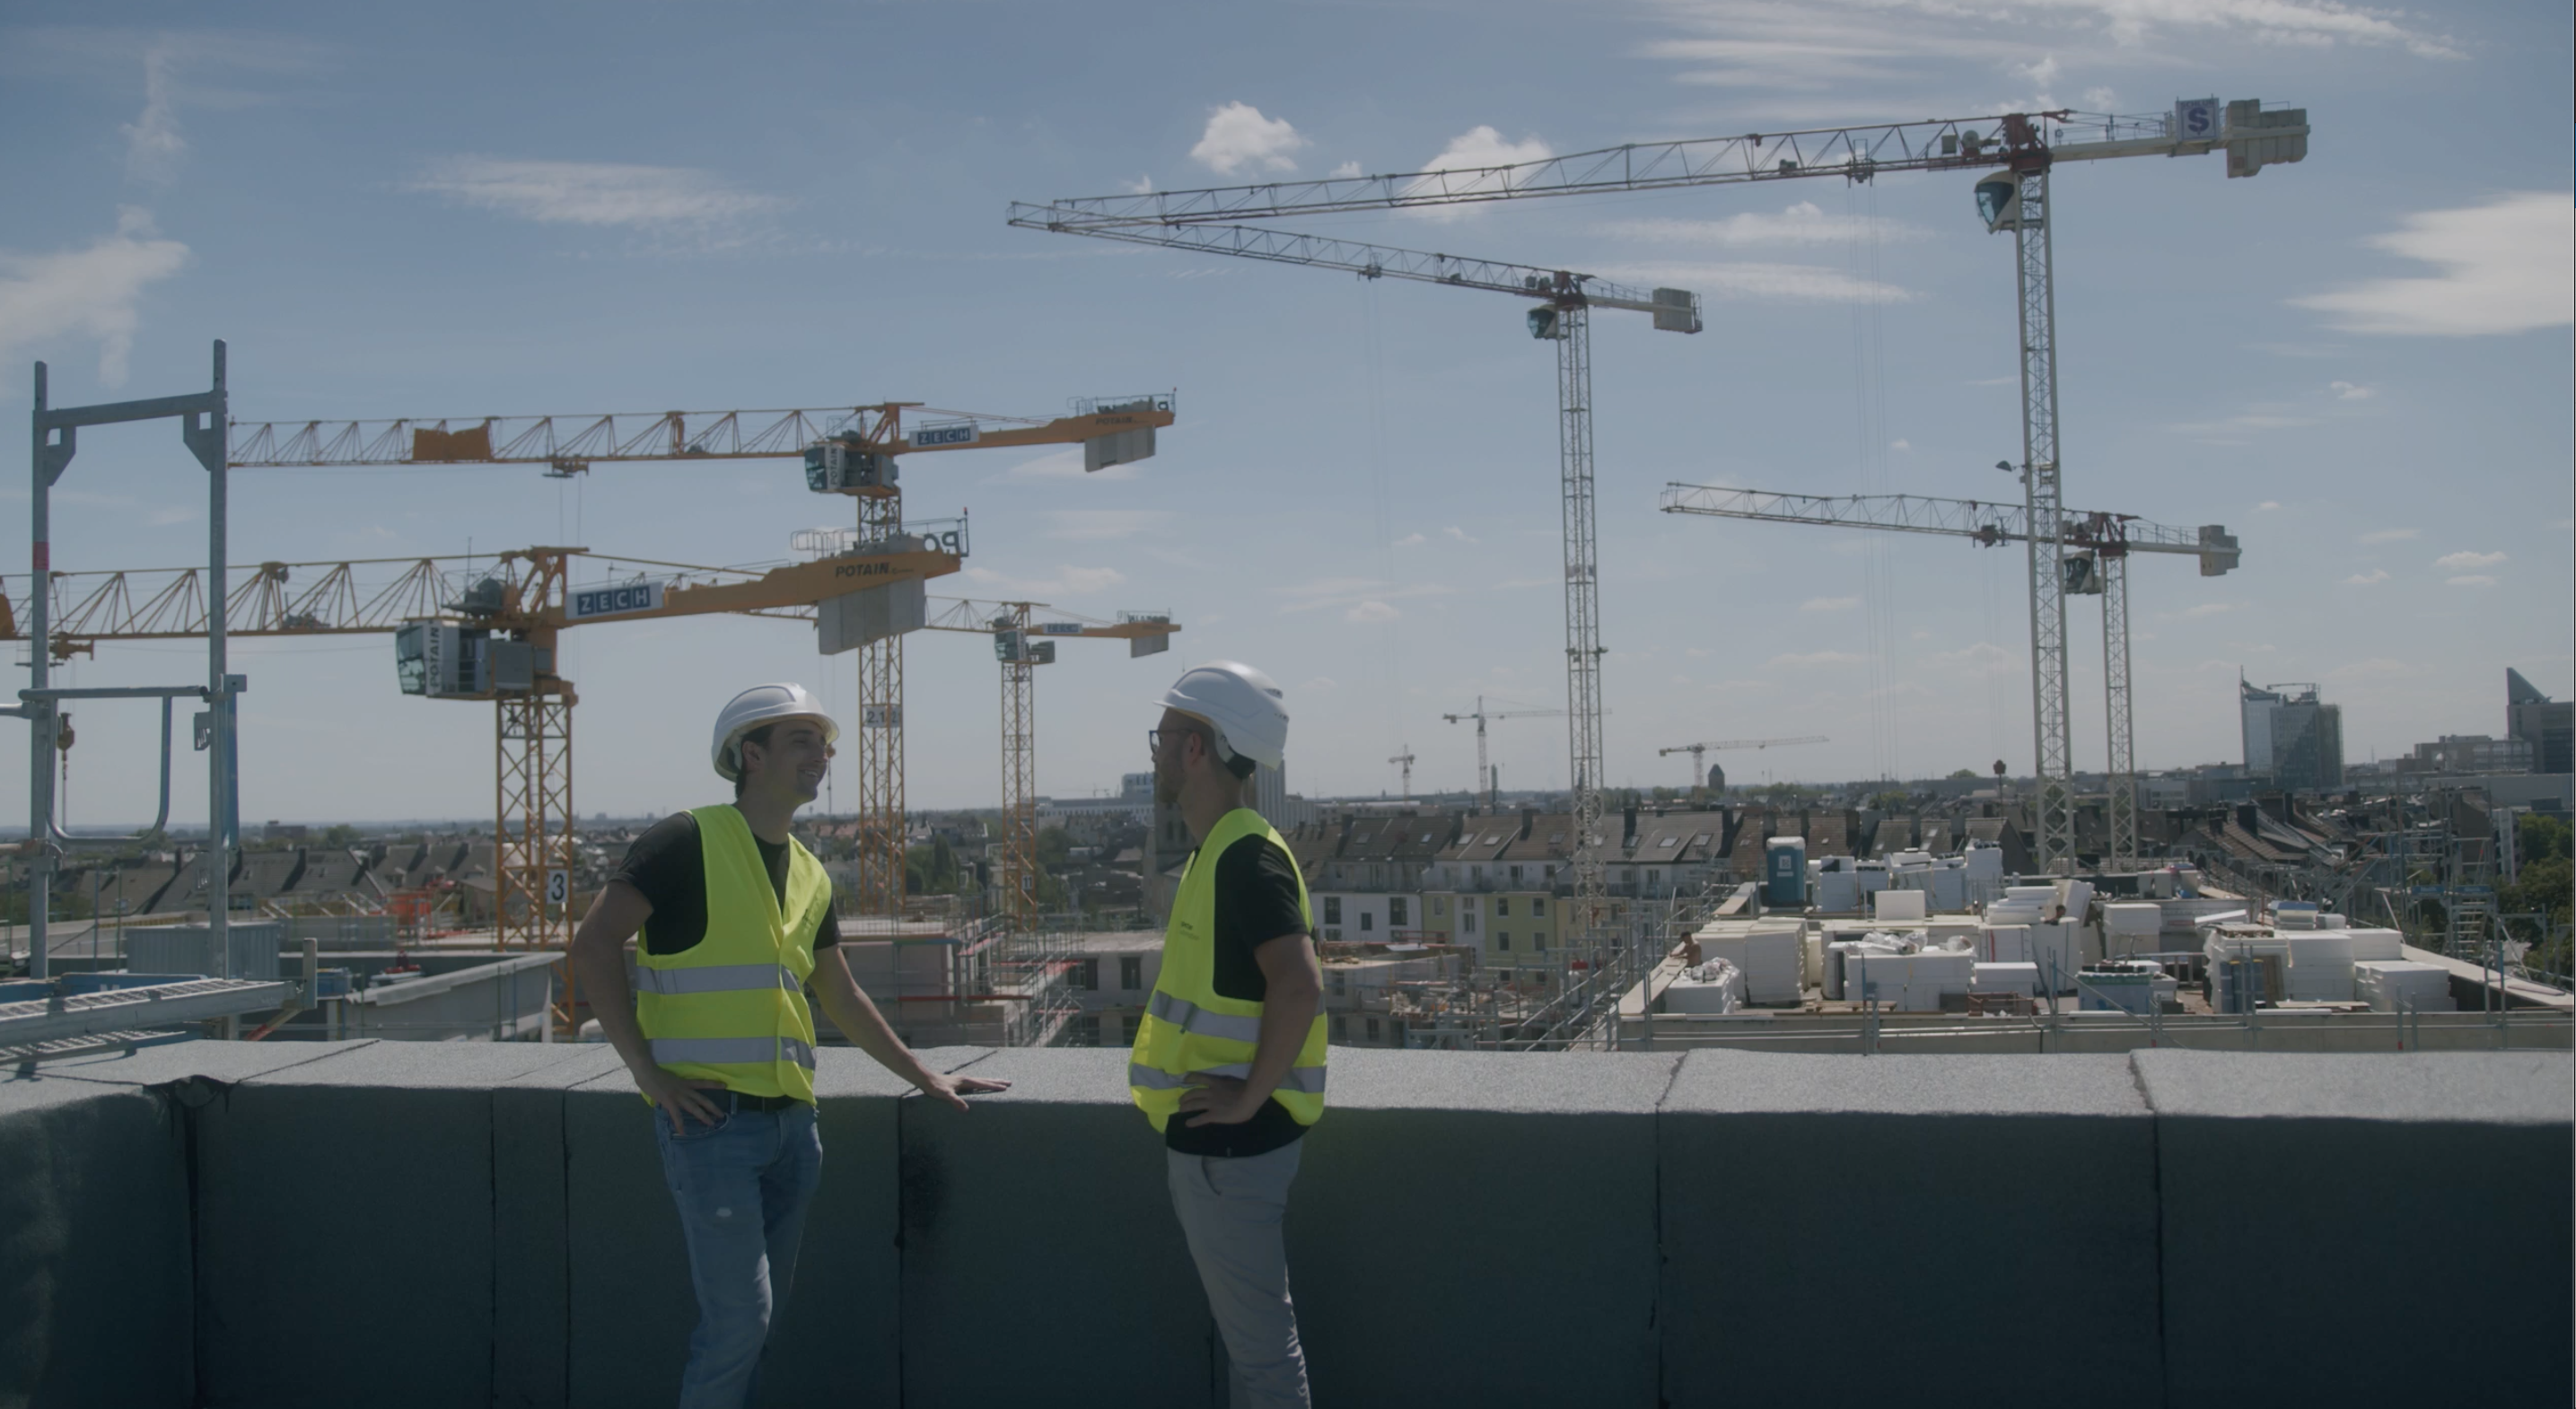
1784, 873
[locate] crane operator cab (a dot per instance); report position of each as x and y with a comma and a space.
1999, 201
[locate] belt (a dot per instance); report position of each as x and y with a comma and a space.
741, 1102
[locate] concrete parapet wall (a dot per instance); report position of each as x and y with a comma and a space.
452, 1224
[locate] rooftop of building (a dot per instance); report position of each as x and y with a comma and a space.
403, 1224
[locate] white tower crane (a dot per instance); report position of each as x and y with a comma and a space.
1484, 777
1699, 752
2024, 146
2091, 557
1563, 316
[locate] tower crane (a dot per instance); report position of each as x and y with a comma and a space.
850, 451
1023, 641
1699, 752
1484, 778
2019, 149
1563, 316
1405, 760
2090, 559
455, 620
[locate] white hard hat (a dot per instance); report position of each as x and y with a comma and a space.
763, 704
1243, 704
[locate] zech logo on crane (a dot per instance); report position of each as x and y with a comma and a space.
589, 603
954, 433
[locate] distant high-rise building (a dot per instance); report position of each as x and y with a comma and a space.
1716, 779
2549, 726
1136, 787
2291, 736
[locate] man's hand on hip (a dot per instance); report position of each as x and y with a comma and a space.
1220, 1100
672, 1094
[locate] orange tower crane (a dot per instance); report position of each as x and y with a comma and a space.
847, 450
1023, 641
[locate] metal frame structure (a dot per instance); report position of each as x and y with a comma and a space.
1022, 643
2106, 540
1565, 318
1699, 752
54, 440
570, 445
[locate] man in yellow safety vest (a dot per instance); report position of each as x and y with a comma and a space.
1229, 1057
736, 930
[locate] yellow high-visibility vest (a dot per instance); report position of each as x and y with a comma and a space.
731, 1007
1188, 1026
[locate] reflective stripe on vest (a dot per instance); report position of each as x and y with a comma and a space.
1306, 1079
1190, 1017
732, 1008
1188, 1027
731, 1051
714, 978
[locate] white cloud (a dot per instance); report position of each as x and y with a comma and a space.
1829, 604
1827, 48
1476, 148
2347, 391
2262, 416
1411, 540
2471, 580
2378, 668
2467, 562
1087, 524
1346, 171
1068, 581
1371, 610
1904, 445
1457, 534
1237, 136
1814, 658
2371, 578
172, 514
92, 293
1065, 464
2267, 506
2210, 609
1984, 656
2507, 267
1814, 283
153, 143
1141, 186
2391, 535
1324, 593
1319, 682
1802, 224
593, 193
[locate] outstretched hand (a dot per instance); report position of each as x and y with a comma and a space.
955, 1089
1220, 1100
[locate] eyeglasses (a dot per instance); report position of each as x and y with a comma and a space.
1154, 738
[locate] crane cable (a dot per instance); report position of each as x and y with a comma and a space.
1870, 421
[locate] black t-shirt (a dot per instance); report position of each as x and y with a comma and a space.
668, 866
1256, 902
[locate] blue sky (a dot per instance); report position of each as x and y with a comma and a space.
2360, 364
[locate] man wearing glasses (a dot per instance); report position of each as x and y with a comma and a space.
1229, 1059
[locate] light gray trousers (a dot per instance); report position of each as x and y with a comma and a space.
1231, 1212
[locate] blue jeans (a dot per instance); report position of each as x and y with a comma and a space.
742, 1186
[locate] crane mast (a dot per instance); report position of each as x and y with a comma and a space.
2053, 740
